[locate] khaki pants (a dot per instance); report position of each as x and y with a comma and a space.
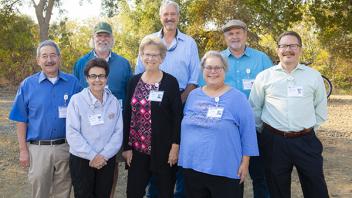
49, 172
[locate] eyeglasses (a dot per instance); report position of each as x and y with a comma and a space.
291, 46
47, 56
151, 56
215, 68
95, 76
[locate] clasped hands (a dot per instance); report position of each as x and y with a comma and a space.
98, 162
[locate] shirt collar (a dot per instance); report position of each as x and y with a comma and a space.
246, 52
179, 35
60, 75
107, 59
94, 100
298, 67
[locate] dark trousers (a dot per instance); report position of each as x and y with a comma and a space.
257, 173
139, 174
179, 186
90, 182
202, 185
281, 154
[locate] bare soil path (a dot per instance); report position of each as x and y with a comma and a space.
336, 135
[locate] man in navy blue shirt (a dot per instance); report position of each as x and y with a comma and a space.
40, 112
120, 70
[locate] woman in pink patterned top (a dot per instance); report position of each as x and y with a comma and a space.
152, 116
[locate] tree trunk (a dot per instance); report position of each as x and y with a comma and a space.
43, 11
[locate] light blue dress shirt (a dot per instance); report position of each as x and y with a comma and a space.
276, 101
216, 145
243, 68
87, 138
37, 104
181, 61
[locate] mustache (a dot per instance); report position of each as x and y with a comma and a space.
50, 63
289, 53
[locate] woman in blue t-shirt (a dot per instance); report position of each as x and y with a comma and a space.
217, 135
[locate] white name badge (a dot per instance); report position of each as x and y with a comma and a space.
95, 119
247, 84
296, 91
62, 112
215, 112
156, 96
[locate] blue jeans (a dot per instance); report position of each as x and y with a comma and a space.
179, 191
257, 173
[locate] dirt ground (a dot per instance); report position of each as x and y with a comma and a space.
336, 135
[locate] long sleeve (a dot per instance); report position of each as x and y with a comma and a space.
320, 103
247, 129
73, 132
256, 99
176, 113
194, 66
127, 114
115, 141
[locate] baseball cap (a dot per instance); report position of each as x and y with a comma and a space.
102, 27
234, 23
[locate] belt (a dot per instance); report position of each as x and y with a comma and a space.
48, 142
288, 134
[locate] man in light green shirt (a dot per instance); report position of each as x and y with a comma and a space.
289, 102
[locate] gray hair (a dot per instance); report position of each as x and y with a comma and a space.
166, 3
214, 54
153, 40
48, 43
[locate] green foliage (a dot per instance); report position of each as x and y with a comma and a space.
73, 41
325, 27
17, 46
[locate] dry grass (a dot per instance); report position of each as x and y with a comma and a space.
336, 135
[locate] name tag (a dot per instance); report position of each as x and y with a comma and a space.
95, 119
215, 112
62, 112
296, 91
156, 96
247, 84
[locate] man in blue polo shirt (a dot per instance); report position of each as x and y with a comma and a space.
40, 112
120, 70
244, 65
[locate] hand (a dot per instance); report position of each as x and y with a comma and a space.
173, 155
24, 158
98, 162
128, 156
243, 170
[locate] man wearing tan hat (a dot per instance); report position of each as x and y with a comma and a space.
244, 65
120, 69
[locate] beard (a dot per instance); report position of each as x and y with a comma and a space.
103, 46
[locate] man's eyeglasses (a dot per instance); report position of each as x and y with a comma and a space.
95, 76
215, 69
291, 46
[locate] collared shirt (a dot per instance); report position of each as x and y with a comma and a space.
107, 58
86, 134
216, 145
120, 73
37, 104
243, 70
289, 101
181, 61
